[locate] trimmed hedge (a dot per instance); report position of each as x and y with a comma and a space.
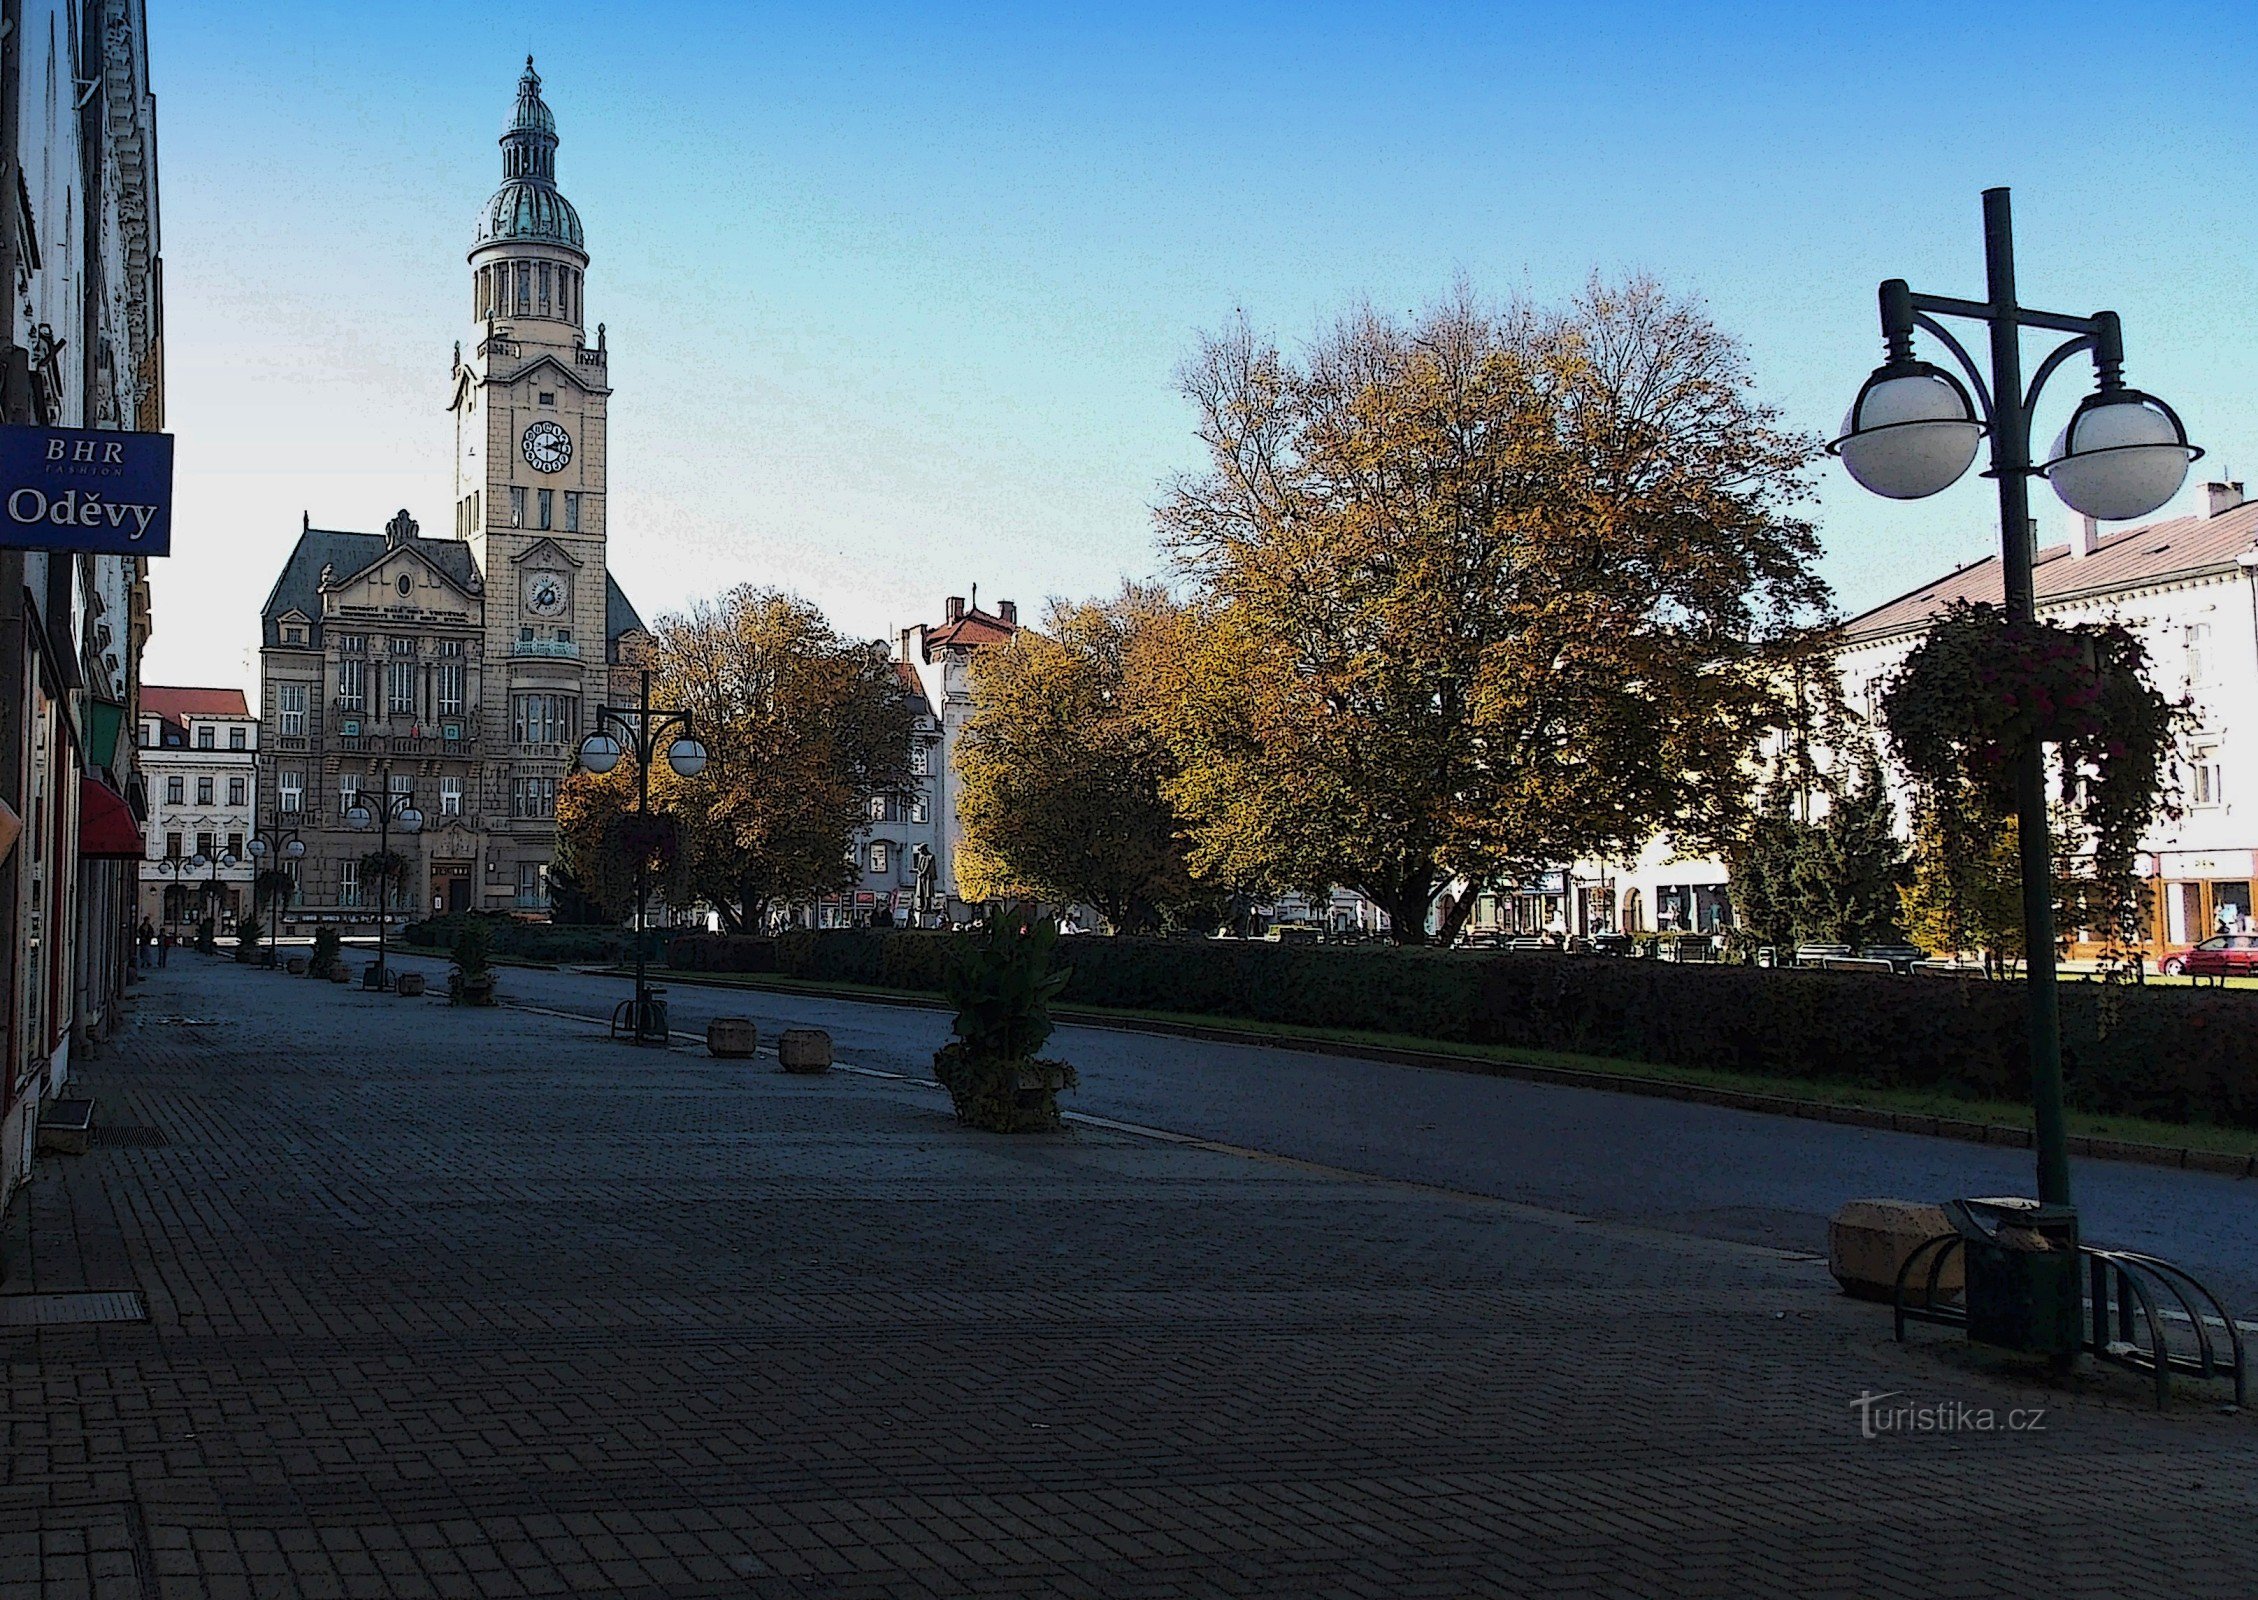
721, 952
530, 941
2170, 1052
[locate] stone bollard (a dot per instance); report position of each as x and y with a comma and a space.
1868, 1241
340, 973
804, 1050
732, 1038
410, 984
295, 966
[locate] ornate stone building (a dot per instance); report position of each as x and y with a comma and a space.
463, 668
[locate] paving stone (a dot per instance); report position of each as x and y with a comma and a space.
478, 1303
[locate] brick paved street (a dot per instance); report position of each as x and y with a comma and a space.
478, 1303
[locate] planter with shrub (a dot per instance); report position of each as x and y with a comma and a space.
324, 959
470, 982
1002, 985
247, 939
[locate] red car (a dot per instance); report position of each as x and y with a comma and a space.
2223, 955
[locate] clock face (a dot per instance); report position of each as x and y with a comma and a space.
547, 447
545, 594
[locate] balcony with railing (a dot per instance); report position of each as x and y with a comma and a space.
561, 649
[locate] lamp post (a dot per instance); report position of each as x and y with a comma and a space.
284, 845
1911, 432
641, 726
178, 865
225, 858
391, 807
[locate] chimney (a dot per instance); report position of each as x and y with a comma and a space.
1009, 611
2221, 498
2085, 536
954, 610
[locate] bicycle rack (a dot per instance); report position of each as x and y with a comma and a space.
644, 1022
2121, 1289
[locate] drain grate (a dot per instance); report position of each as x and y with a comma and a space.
59, 1310
125, 1135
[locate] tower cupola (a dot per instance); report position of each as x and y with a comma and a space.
528, 255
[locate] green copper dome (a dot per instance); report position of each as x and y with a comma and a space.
528, 204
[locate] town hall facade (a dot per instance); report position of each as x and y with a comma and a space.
462, 665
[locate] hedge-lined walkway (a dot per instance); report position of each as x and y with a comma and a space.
476, 1303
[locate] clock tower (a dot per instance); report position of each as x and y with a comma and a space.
528, 404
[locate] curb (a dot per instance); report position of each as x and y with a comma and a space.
2223, 1163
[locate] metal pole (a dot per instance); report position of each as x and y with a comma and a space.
383, 870
2011, 466
643, 743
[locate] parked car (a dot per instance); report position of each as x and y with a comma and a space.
2223, 955
1810, 955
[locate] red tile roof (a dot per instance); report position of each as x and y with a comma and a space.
910, 680
2178, 547
973, 629
157, 700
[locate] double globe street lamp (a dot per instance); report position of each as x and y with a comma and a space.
1912, 432
392, 808
640, 727
283, 845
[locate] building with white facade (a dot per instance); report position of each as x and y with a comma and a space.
937, 661
199, 757
2187, 586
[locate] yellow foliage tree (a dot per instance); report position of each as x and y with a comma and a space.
1484, 591
1062, 774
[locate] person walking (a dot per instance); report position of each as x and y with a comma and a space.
148, 938
164, 948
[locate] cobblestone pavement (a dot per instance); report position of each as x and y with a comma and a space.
478, 1303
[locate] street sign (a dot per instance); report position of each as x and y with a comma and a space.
86, 489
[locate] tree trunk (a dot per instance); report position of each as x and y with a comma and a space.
1461, 907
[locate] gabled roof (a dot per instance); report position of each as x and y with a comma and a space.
970, 631
619, 612
160, 700
299, 587
2131, 558
911, 682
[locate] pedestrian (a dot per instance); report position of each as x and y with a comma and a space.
164, 948
148, 938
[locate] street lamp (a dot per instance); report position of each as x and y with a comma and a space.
178, 866
225, 858
640, 728
391, 807
1911, 432
283, 845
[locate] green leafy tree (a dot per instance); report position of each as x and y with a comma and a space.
1850, 867
1478, 592
1761, 864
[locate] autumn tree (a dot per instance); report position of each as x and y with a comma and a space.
803, 727
1063, 773
1479, 592
599, 845
1957, 899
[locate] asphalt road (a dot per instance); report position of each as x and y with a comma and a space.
1663, 1164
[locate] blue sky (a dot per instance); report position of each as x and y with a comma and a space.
895, 294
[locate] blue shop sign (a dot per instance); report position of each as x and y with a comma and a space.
86, 489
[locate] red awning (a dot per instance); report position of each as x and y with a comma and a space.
105, 823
